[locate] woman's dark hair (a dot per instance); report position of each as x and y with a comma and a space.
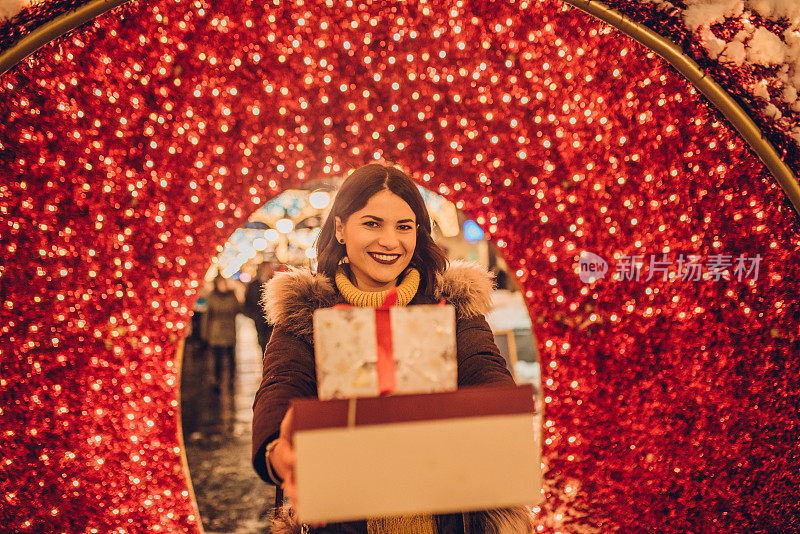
429, 259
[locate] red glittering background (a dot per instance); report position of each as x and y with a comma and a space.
133, 147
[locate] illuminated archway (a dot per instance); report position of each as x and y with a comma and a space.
124, 169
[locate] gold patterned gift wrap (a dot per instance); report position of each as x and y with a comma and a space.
364, 352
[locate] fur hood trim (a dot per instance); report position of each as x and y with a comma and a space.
291, 297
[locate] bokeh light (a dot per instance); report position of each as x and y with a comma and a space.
319, 199
131, 149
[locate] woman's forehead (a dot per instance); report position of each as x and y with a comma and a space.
387, 206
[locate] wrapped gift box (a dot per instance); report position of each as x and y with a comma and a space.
471, 449
420, 341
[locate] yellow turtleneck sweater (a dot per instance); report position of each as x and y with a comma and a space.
408, 524
372, 299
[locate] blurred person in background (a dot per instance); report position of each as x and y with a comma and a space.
253, 307
219, 328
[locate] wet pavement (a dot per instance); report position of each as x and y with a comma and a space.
217, 422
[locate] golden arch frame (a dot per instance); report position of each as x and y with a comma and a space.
643, 35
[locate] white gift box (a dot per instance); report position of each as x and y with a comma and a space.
471, 449
347, 342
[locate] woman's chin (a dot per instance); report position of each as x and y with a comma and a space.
385, 276
380, 275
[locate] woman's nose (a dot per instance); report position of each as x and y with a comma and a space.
388, 239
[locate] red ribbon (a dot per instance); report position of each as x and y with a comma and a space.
383, 330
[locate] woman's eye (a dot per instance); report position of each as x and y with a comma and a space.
405, 227
371, 224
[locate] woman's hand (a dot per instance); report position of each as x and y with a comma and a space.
282, 456
282, 460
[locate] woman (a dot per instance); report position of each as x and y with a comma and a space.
219, 329
376, 237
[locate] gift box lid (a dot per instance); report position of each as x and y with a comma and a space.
433, 453
313, 414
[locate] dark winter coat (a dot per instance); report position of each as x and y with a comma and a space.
289, 369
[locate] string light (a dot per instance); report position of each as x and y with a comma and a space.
122, 178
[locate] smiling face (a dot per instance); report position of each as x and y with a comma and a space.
380, 239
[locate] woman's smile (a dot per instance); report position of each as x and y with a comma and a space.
385, 259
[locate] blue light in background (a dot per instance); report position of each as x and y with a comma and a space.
472, 232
